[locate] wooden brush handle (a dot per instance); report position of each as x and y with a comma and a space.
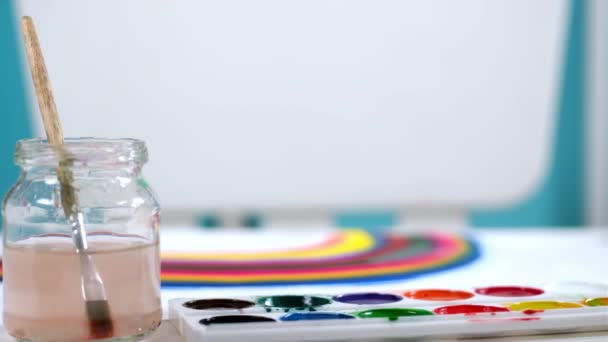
40, 77
50, 117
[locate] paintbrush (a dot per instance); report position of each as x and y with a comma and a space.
97, 308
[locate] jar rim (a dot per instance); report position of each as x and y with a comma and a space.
82, 151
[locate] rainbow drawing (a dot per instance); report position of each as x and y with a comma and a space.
346, 256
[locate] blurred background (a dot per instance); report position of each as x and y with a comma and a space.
350, 113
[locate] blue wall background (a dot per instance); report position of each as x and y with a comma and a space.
559, 201
13, 105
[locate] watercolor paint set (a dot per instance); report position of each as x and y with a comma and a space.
408, 314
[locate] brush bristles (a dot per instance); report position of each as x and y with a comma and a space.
100, 321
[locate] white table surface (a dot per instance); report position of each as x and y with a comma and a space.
509, 257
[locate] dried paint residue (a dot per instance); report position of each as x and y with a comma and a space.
367, 298
532, 312
438, 294
392, 314
314, 316
468, 309
218, 303
293, 302
542, 305
509, 291
600, 301
231, 319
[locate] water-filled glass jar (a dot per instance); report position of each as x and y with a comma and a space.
44, 298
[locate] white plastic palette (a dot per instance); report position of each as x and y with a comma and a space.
414, 314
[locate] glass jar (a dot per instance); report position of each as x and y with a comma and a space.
43, 297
